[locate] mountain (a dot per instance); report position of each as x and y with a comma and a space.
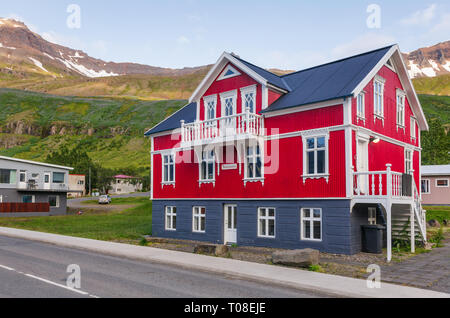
430, 61
23, 52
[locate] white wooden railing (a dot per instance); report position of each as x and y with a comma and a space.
241, 124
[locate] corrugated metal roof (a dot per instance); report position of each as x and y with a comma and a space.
188, 113
442, 170
329, 81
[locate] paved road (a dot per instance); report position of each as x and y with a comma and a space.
132, 195
30, 269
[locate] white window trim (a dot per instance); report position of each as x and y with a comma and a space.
229, 67
246, 157
402, 95
413, 123
441, 179
378, 80
226, 95
311, 219
168, 182
169, 213
200, 216
359, 115
411, 160
207, 160
206, 101
429, 186
267, 219
245, 91
306, 175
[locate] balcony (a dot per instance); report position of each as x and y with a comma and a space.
225, 129
34, 186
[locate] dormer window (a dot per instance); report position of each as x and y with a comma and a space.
229, 72
210, 107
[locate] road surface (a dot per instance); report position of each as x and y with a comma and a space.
31, 269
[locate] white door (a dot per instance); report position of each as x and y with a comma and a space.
22, 179
230, 212
47, 181
362, 165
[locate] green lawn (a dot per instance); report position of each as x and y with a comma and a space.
438, 213
122, 201
128, 225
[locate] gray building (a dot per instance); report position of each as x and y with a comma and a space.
29, 188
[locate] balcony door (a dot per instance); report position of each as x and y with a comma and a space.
228, 113
230, 231
22, 179
47, 181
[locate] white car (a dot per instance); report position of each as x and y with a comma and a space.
104, 199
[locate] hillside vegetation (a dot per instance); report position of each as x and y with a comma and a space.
33, 125
439, 85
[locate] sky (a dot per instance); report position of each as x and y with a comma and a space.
283, 34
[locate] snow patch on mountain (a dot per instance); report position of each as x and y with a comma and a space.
7, 47
38, 64
85, 71
447, 66
49, 56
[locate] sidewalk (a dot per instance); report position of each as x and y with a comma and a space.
294, 278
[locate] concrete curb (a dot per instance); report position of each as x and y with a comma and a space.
316, 282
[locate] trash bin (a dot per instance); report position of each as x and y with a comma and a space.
372, 238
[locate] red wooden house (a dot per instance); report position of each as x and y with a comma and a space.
294, 161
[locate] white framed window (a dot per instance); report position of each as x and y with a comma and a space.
425, 186
378, 95
53, 200
311, 223
372, 216
266, 222
210, 107
23, 176
401, 98
228, 72
248, 95
199, 219
361, 105
228, 102
441, 183
171, 218
207, 167
413, 128
168, 169
59, 177
28, 199
253, 163
315, 159
408, 160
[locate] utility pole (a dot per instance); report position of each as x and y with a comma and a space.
90, 184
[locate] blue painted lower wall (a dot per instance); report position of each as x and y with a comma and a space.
337, 231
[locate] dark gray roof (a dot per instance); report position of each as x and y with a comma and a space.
270, 77
329, 81
188, 113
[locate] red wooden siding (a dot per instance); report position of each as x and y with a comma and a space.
312, 119
24, 207
283, 182
389, 128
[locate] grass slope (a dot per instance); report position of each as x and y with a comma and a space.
111, 130
439, 85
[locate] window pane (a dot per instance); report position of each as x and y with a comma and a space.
271, 227
166, 174
311, 165
27, 199
203, 220
321, 142
250, 172
210, 171
196, 223
306, 213
203, 176
258, 168
311, 143
52, 201
172, 174
272, 213
174, 222
321, 161
306, 229
262, 227
317, 234
317, 213
58, 177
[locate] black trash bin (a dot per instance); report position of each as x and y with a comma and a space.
372, 238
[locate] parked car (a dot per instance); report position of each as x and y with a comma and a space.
104, 199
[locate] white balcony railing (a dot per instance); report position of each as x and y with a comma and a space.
236, 125
32, 185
